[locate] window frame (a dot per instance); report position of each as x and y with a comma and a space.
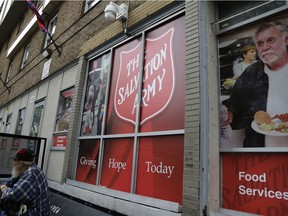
136, 135
8, 123
25, 56
61, 100
219, 21
51, 29
90, 4
40, 104
1, 122
8, 72
21, 114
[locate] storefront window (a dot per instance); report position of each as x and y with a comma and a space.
124, 93
95, 96
117, 164
63, 117
88, 160
20, 121
143, 101
253, 111
160, 166
8, 123
64, 110
37, 117
162, 105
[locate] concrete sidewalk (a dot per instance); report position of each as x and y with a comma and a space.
68, 206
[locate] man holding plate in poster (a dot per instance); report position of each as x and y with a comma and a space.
262, 87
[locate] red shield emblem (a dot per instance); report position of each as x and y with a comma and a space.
158, 79
127, 84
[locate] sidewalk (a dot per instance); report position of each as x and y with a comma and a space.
64, 205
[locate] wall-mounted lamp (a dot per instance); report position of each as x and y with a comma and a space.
114, 12
47, 53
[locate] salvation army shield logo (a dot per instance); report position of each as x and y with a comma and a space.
127, 84
158, 80
159, 76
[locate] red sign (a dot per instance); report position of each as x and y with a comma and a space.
127, 84
87, 163
60, 140
117, 164
158, 79
162, 83
159, 75
255, 183
160, 168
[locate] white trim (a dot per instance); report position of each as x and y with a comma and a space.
257, 149
90, 4
51, 29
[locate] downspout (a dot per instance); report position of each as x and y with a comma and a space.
204, 110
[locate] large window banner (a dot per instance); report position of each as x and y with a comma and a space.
94, 104
162, 95
163, 80
117, 164
160, 167
254, 114
87, 162
255, 183
122, 105
254, 73
146, 93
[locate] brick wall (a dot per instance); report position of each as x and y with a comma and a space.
191, 188
77, 33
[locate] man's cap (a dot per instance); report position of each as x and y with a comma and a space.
24, 154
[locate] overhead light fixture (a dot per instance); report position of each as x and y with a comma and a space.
114, 12
47, 53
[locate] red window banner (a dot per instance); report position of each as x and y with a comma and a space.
162, 95
87, 163
160, 168
125, 99
255, 182
163, 80
59, 140
124, 88
117, 164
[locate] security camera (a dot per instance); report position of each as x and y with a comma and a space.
110, 12
114, 12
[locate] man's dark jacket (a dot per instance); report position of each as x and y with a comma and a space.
248, 96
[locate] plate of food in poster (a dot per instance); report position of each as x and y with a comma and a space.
273, 126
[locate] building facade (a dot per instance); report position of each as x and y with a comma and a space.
135, 110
